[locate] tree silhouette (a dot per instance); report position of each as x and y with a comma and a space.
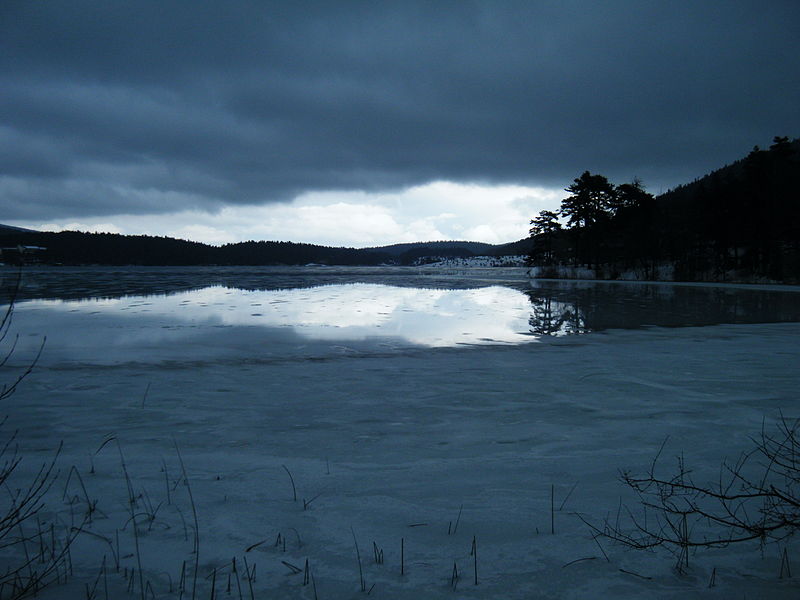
632, 196
543, 229
740, 222
591, 201
635, 228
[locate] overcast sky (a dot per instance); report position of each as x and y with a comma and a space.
364, 123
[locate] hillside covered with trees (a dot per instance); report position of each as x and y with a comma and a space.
81, 248
739, 223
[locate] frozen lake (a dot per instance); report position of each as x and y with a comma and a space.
168, 314
403, 402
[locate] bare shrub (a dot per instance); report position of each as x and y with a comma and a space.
33, 551
756, 498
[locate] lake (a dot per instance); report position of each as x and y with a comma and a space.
416, 408
155, 314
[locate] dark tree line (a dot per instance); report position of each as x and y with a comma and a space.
739, 222
290, 253
79, 248
74, 247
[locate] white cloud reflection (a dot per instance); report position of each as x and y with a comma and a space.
222, 321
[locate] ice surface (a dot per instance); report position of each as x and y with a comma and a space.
393, 442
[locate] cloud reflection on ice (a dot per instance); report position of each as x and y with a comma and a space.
344, 313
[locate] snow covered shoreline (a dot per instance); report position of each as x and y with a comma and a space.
393, 446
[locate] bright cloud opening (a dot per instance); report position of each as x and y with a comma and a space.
440, 210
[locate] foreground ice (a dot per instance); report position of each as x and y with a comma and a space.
404, 446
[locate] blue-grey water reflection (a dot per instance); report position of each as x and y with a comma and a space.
221, 323
565, 307
130, 314
354, 311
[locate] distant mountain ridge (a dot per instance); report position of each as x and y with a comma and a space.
80, 248
73, 247
443, 246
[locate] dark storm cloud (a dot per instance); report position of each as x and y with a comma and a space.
134, 107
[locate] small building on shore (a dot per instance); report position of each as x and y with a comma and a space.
21, 255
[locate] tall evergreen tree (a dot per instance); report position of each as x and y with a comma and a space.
591, 199
543, 229
632, 195
591, 202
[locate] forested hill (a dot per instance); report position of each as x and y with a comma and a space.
79, 248
738, 223
444, 248
8, 229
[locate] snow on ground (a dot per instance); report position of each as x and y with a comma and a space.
397, 448
475, 261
